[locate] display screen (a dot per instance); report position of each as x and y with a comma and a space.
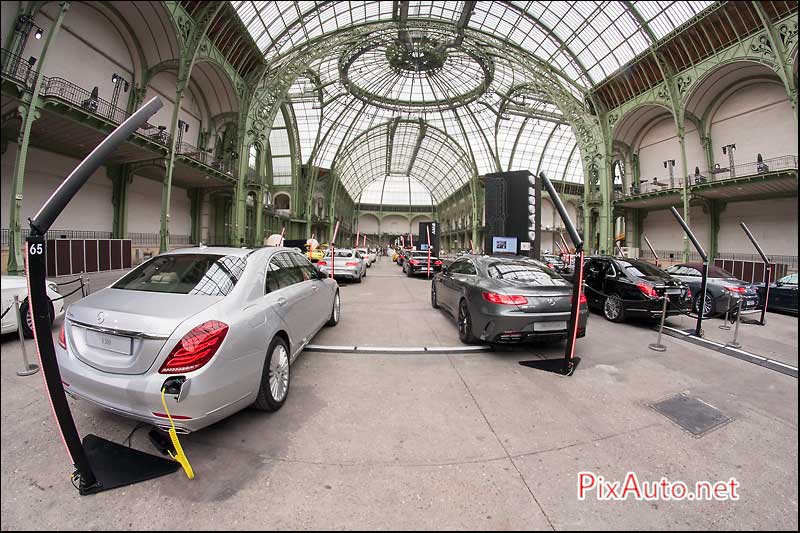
504, 245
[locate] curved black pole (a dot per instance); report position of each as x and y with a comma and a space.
36, 272
768, 267
701, 299
577, 279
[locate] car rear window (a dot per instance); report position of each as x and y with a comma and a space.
522, 271
206, 274
341, 253
717, 272
641, 270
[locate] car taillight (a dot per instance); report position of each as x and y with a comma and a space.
351, 263
648, 290
504, 299
322, 263
689, 293
413, 262
437, 263
582, 300
549, 265
196, 348
62, 336
740, 290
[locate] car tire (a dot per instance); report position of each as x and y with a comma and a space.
275, 377
613, 309
27, 330
336, 311
465, 323
409, 273
708, 308
358, 279
434, 300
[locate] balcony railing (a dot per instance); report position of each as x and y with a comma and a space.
755, 168
18, 69
205, 156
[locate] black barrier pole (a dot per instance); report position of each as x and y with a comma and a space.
87, 464
570, 362
701, 301
652, 250
767, 265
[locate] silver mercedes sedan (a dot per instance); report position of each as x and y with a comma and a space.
216, 328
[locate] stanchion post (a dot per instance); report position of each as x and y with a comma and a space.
657, 346
83, 287
28, 369
725, 325
734, 343
88, 286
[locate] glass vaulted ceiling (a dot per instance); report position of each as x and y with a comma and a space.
474, 97
587, 40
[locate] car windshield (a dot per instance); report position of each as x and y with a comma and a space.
791, 279
521, 271
206, 274
640, 269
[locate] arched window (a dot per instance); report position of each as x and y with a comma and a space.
281, 201
253, 162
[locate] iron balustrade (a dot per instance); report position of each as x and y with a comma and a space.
785, 162
743, 170
16, 68
5, 234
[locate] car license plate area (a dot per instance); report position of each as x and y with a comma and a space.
111, 343
557, 325
674, 291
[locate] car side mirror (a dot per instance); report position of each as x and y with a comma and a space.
320, 273
444, 269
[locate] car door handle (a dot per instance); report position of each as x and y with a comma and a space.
314, 288
282, 301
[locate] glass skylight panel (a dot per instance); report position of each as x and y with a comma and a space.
279, 142
557, 152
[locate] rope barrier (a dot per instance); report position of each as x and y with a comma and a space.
68, 294
70, 282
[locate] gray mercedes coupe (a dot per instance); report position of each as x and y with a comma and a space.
506, 299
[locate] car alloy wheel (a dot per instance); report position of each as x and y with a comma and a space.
335, 311
434, 301
613, 308
279, 373
708, 304
464, 323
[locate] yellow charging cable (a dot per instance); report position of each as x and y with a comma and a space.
173, 435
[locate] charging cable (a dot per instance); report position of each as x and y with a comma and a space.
173, 435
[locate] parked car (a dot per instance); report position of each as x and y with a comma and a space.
348, 264
624, 287
368, 256
222, 326
720, 285
782, 294
11, 285
505, 299
556, 263
401, 258
417, 263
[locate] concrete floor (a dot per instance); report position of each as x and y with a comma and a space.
472, 441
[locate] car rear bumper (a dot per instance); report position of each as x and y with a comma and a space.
520, 327
343, 272
205, 399
651, 308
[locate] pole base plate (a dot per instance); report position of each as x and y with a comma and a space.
556, 366
31, 370
115, 465
657, 347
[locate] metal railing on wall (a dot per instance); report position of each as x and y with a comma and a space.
20, 70
5, 234
753, 168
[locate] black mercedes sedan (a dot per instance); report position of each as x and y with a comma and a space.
723, 289
624, 287
782, 294
505, 299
